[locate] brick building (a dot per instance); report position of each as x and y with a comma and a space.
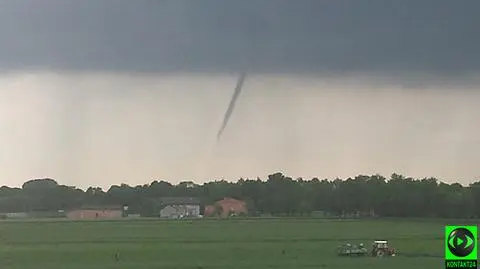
226, 207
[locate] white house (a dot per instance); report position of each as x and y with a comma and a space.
179, 207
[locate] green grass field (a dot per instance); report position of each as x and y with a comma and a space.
218, 244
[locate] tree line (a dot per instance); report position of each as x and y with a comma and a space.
279, 195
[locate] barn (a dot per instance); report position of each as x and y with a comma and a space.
92, 213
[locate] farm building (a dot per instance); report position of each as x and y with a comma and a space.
226, 207
179, 207
33, 215
91, 213
14, 215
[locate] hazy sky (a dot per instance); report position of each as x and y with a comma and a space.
105, 92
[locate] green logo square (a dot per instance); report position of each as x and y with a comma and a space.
461, 243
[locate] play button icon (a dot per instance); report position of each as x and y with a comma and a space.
461, 242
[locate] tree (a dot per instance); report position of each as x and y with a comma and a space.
279, 194
39, 185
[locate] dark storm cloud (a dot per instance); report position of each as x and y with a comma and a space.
436, 36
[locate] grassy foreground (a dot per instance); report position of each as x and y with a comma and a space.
219, 244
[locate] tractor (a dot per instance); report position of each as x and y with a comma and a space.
352, 250
380, 248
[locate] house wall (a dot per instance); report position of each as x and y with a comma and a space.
228, 205
232, 205
175, 211
94, 214
209, 210
17, 215
169, 212
193, 210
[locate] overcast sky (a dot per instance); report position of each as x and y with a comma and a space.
104, 92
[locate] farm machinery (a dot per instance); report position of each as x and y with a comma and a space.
380, 248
